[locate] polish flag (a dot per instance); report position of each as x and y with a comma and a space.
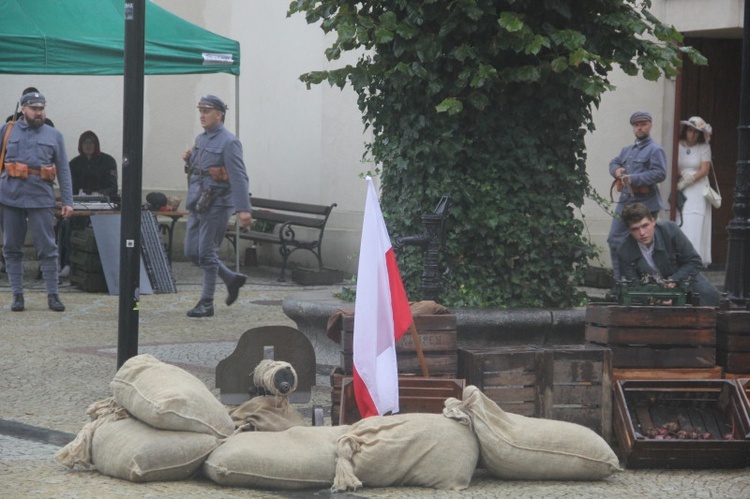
381, 316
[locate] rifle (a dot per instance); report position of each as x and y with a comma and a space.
5, 138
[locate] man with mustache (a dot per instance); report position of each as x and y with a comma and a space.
35, 157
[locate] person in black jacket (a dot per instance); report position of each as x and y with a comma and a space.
93, 172
661, 251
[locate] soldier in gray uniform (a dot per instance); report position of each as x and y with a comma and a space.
217, 187
35, 158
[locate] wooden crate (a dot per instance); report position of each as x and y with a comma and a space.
566, 382
437, 335
416, 394
733, 340
623, 374
654, 336
713, 406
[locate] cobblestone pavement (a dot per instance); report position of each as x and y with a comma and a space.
53, 365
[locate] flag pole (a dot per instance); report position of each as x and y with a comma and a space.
420, 353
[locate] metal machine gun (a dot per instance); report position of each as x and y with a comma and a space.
649, 291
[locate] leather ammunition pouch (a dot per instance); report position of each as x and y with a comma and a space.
218, 173
48, 173
17, 170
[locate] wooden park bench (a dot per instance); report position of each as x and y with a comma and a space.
278, 222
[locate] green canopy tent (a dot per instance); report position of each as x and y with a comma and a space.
86, 37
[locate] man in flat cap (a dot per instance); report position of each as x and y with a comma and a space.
637, 170
217, 188
35, 158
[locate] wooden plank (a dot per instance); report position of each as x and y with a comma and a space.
733, 321
508, 378
733, 342
431, 341
578, 395
612, 335
667, 374
438, 364
650, 357
511, 394
652, 316
734, 362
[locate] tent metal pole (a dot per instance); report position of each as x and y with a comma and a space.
132, 178
237, 134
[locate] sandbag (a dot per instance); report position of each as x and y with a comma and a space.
422, 450
266, 413
78, 451
169, 398
298, 458
132, 450
517, 447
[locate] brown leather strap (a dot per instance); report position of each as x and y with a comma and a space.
5, 143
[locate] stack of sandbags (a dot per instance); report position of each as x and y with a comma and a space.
161, 424
515, 447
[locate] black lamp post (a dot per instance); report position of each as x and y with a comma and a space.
737, 280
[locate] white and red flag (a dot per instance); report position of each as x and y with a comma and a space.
381, 315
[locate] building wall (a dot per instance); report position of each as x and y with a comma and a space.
307, 144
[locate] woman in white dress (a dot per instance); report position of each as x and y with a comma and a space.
694, 162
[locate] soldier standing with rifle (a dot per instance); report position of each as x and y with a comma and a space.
34, 158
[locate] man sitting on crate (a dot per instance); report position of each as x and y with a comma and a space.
661, 251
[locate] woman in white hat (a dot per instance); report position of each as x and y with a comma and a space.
694, 162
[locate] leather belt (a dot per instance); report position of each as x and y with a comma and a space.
197, 171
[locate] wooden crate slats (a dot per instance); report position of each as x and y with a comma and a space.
651, 357
612, 335
437, 336
733, 342
431, 341
516, 377
734, 362
715, 372
439, 364
647, 316
733, 321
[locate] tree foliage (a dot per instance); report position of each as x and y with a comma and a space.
488, 101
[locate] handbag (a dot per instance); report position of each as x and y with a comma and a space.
711, 195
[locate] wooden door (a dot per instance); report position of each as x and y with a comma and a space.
713, 93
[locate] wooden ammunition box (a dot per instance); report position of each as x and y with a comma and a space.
437, 335
85, 265
654, 336
706, 406
567, 382
733, 340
